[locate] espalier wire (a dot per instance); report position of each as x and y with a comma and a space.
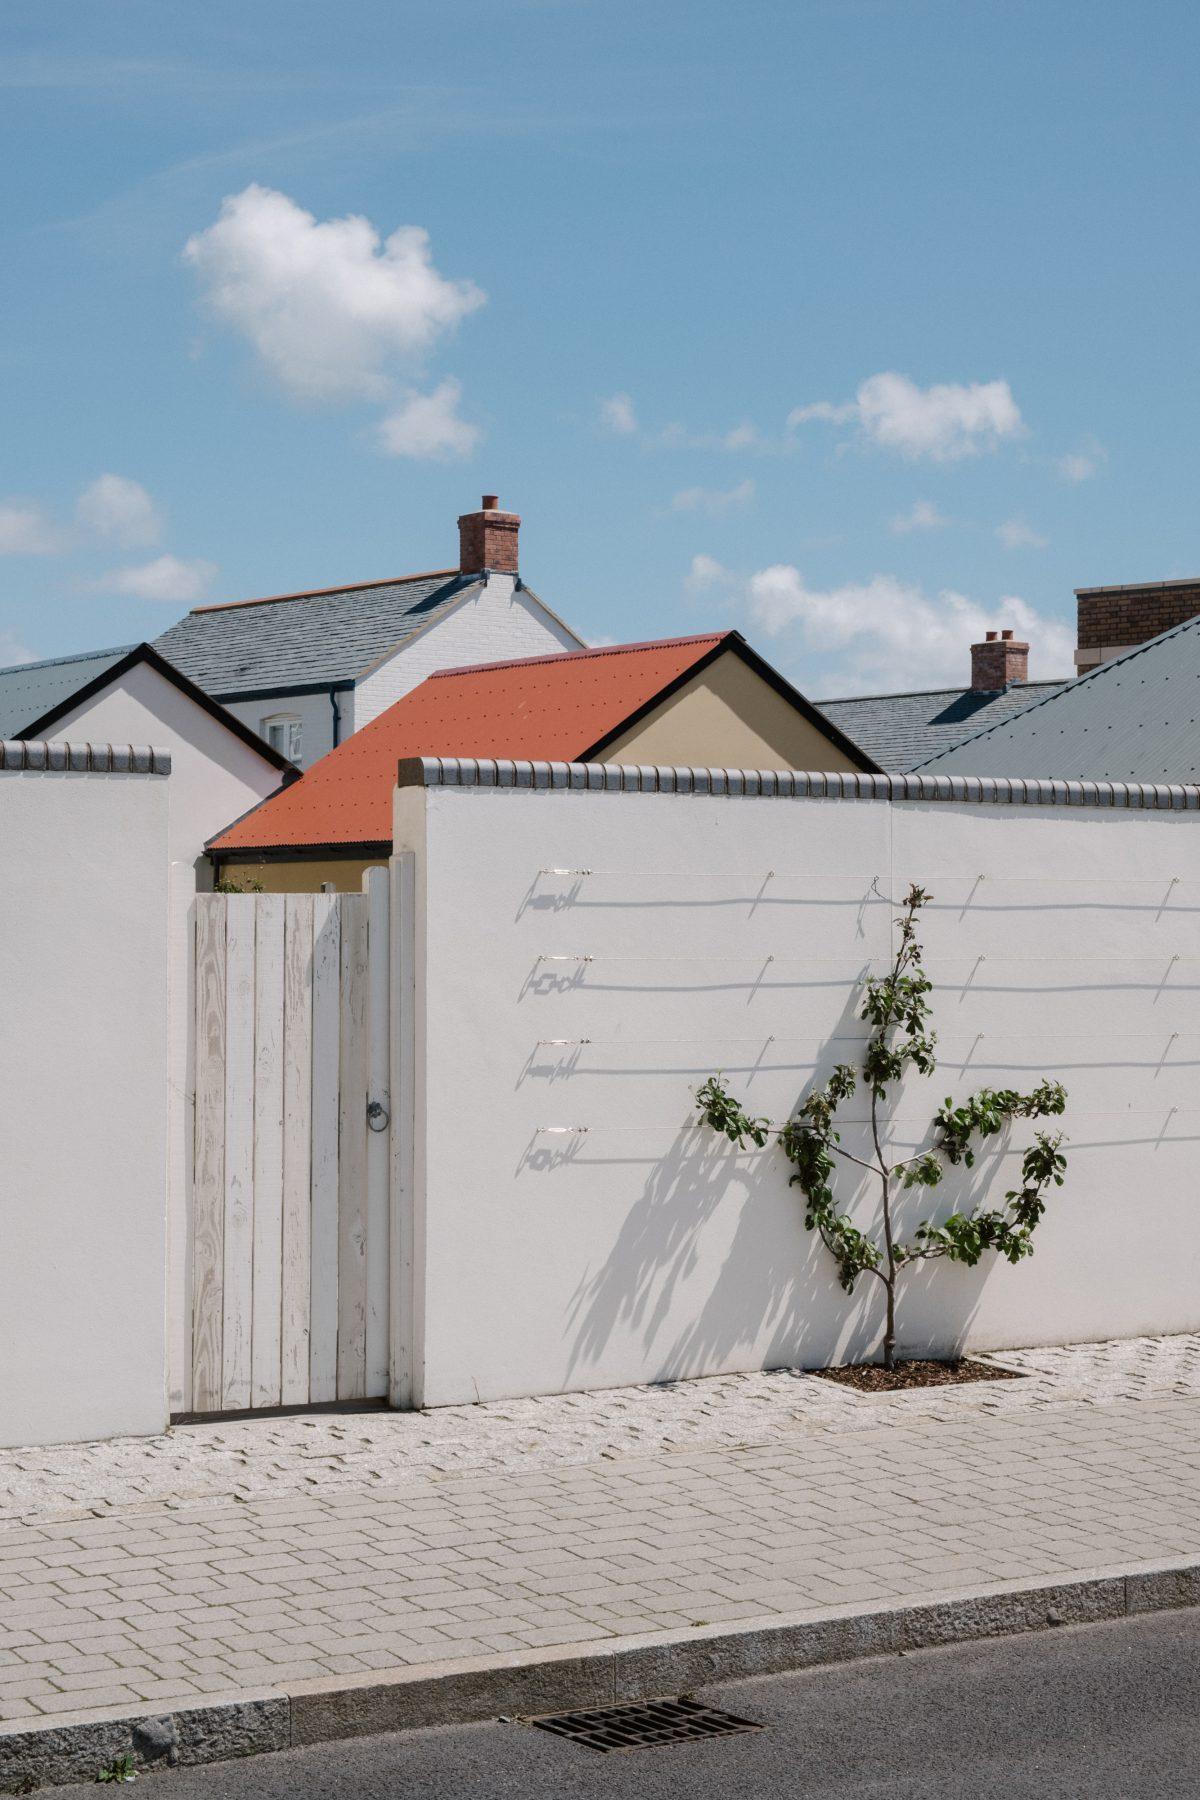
896, 1005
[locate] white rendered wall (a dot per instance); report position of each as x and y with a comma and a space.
83, 921
499, 623
215, 777
731, 934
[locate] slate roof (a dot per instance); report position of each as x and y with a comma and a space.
560, 708
314, 640
31, 690
1136, 718
901, 731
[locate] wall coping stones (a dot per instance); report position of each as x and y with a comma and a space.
42, 756
790, 784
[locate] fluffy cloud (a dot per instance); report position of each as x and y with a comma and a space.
619, 414
713, 501
429, 426
888, 635
706, 573
1015, 534
940, 423
179, 580
25, 530
923, 516
1082, 464
327, 306
118, 508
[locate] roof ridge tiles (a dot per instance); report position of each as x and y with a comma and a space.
346, 587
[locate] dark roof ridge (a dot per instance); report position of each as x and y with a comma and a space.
557, 656
932, 693
54, 662
346, 587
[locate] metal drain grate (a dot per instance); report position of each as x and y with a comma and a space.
642, 1723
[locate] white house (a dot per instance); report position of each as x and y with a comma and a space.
220, 769
305, 670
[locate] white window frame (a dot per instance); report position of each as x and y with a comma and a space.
285, 733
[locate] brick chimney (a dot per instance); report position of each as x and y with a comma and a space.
488, 539
998, 663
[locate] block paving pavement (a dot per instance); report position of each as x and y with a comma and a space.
242, 1558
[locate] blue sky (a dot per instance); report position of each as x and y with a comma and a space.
859, 324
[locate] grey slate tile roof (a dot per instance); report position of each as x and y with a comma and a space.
30, 690
900, 731
305, 640
1136, 718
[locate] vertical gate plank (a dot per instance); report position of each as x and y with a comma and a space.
239, 1151
208, 1179
297, 1129
265, 1360
326, 983
376, 884
352, 1154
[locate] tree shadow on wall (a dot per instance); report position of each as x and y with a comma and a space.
768, 1296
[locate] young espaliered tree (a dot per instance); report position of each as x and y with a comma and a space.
896, 1006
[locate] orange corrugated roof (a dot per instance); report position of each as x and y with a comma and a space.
553, 708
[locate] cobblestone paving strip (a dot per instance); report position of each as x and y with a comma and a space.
319, 1452
356, 1544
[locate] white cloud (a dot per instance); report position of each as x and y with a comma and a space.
705, 573
171, 578
923, 516
1082, 464
941, 423
1016, 534
429, 426
713, 501
739, 437
618, 414
13, 650
893, 636
328, 307
25, 530
118, 508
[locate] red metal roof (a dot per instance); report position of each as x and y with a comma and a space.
553, 708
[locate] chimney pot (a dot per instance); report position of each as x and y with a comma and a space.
999, 662
488, 539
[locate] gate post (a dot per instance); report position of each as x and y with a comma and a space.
403, 1385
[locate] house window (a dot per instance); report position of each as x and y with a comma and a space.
282, 732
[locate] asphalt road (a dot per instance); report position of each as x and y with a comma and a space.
1093, 1713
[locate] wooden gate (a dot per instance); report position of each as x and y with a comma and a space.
290, 1188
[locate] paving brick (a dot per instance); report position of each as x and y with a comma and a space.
400, 1539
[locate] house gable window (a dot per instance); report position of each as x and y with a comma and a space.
282, 732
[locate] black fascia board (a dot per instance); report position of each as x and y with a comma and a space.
146, 653
735, 642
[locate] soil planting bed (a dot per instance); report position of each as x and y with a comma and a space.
873, 1378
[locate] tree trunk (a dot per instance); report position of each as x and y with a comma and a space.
889, 1336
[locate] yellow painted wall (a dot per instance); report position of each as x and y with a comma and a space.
728, 717
345, 873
